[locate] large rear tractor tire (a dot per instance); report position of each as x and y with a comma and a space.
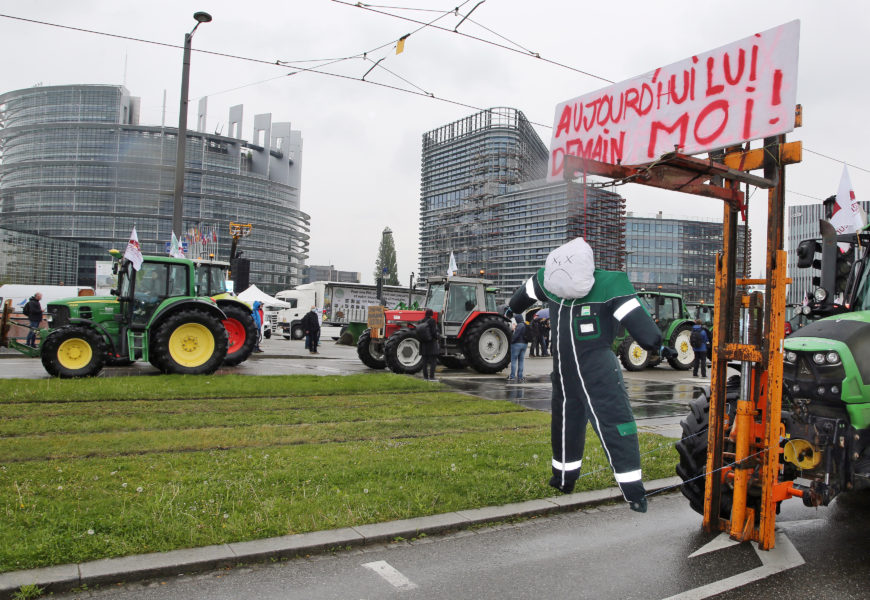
73, 352
632, 356
487, 344
190, 342
241, 333
453, 362
680, 342
692, 449
371, 352
402, 352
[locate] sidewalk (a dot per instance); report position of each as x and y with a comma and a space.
189, 560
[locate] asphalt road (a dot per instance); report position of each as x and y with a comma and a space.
601, 553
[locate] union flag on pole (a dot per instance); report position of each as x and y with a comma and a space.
133, 253
847, 216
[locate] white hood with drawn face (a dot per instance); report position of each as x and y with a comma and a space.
570, 270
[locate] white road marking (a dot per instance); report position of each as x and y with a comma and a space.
723, 540
783, 557
393, 577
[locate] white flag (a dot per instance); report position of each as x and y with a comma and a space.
452, 268
847, 217
133, 253
175, 249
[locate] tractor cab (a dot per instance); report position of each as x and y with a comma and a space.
456, 300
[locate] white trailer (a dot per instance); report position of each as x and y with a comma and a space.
338, 304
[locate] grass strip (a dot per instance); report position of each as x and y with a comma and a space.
263, 465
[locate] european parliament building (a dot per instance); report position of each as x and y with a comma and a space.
76, 165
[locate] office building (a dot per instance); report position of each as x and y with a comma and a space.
26, 258
330, 273
78, 166
679, 255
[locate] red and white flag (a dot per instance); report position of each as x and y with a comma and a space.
847, 216
133, 253
175, 248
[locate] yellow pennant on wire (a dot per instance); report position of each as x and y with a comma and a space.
400, 45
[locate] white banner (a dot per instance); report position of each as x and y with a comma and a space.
743, 91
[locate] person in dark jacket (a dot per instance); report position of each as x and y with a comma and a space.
518, 349
545, 336
700, 338
586, 308
33, 311
311, 326
533, 334
427, 331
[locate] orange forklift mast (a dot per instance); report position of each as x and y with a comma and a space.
743, 451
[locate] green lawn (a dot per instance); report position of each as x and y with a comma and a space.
115, 466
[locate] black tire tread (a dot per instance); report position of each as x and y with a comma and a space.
236, 311
48, 352
365, 355
391, 352
159, 348
471, 348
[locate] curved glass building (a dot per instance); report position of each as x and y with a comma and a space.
76, 165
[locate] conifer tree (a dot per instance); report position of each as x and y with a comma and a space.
387, 259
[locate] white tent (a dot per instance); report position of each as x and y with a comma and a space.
253, 293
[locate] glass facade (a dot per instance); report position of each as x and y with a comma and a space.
75, 165
679, 256
34, 259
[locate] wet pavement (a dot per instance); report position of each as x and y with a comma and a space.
659, 396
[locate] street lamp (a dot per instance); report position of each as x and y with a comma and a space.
201, 17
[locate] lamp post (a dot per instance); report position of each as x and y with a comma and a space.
201, 17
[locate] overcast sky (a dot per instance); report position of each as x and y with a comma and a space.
361, 163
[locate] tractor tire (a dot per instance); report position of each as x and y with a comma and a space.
680, 342
371, 353
403, 353
73, 352
241, 334
296, 332
632, 356
692, 449
189, 342
487, 344
453, 362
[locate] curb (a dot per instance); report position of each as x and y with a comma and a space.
62, 578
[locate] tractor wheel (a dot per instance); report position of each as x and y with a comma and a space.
296, 332
680, 341
692, 449
370, 351
73, 352
402, 352
241, 333
453, 362
632, 356
487, 344
190, 342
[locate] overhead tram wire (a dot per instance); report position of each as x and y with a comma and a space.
294, 65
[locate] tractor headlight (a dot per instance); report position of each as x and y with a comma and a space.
819, 358
820, 294
832, 358
791, 356
806, 310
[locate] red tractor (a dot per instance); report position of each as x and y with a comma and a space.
471, 332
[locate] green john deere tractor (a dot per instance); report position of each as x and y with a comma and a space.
826, 383
670, 314
154, 315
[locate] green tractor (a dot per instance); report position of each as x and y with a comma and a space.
211, 277
670, 314
826, 384
154, 315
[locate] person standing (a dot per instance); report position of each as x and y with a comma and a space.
257, 313
311, 326
699, 340
33, 311
533, 336
518, 350
427, 331
545, 336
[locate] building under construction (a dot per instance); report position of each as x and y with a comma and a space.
483, 198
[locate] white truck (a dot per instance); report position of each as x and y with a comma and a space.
338, 304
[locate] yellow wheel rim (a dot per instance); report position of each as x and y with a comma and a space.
191, 345
74, 354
